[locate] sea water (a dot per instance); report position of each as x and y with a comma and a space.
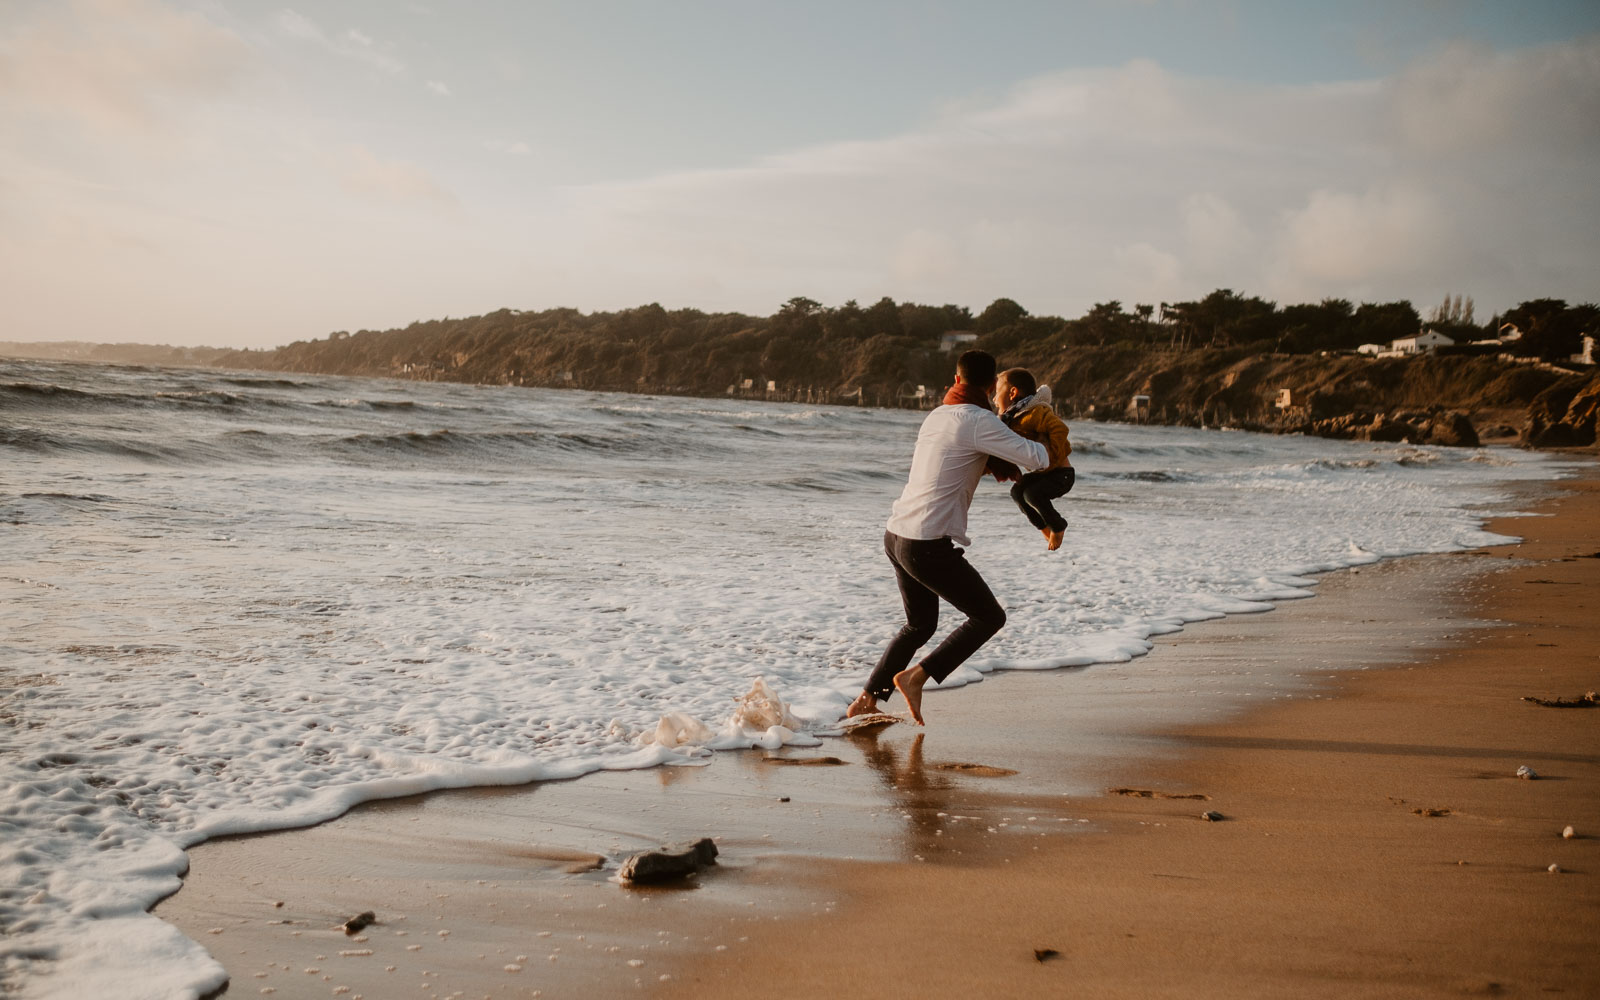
236, 602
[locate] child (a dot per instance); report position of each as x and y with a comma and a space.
1025, 407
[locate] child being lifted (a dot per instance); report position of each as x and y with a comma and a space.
1025, 407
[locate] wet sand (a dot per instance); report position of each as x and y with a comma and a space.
908, 871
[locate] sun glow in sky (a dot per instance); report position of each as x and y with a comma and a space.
246, 173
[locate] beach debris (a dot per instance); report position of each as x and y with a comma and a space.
1146, 793
359, 922
1042, 955
1589, 699
1212, 816
672, 861
805, 761
978, 770
1430, 811
1568, 833
1527, 773
1554, 869
785, 798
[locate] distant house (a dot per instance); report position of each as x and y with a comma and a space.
1508, 332
1425, 342
955, 339
1372, 349
1585, 356
1288, 399
1139, 407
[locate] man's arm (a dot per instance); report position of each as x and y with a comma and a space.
992, 437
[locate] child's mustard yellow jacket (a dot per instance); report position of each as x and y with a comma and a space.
1036, 420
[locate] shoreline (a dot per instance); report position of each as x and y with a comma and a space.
1375, 841
783, 860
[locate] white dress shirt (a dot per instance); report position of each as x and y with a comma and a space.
953, 446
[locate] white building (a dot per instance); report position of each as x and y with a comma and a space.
951, 341
1372, 349
1585, 356
1425, 342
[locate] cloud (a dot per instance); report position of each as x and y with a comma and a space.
438, 87
1468, 171
362, 172
503, 146
353, 44
116, 66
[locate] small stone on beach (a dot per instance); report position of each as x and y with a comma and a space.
1554, 869
1569, 833
359, 922
1211, 816
669, 862
1527, 773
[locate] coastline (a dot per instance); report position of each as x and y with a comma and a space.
1376, 842
498, 867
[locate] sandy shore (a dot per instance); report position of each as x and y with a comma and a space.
1375, 842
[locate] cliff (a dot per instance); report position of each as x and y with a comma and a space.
1425, 399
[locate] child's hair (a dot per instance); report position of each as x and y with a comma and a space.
976, 367
1022, 379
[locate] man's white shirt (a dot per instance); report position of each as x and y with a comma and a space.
953, 447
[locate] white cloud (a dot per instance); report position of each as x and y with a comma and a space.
503, 146
116, 66
362, 172
439, 87
353, 44
1140, 185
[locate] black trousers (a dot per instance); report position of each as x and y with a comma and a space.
1034, 491
927, 571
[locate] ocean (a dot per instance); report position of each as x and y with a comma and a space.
237, 602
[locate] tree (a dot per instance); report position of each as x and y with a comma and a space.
1550, 330
999, 314
1382, 322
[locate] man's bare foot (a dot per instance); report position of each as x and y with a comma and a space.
865, 704
909, 683
1045, 532
1055, 539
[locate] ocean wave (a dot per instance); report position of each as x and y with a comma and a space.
1152, 476
266, 383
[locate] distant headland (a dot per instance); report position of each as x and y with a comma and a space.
1373, 371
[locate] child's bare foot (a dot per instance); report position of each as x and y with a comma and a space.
865, 704
909, 683
1055, 539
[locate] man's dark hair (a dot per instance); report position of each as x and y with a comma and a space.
1022, 379
976, 367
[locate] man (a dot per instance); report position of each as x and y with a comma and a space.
929, 521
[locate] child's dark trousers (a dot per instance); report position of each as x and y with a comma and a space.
1034, 491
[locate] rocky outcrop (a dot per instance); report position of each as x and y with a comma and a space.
1564, 415
1445, 427
1452, 428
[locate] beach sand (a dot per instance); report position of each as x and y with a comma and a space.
1375, 840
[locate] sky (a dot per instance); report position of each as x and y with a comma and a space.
247, 173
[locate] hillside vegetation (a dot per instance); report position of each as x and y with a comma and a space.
1221, 361
1224, 360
